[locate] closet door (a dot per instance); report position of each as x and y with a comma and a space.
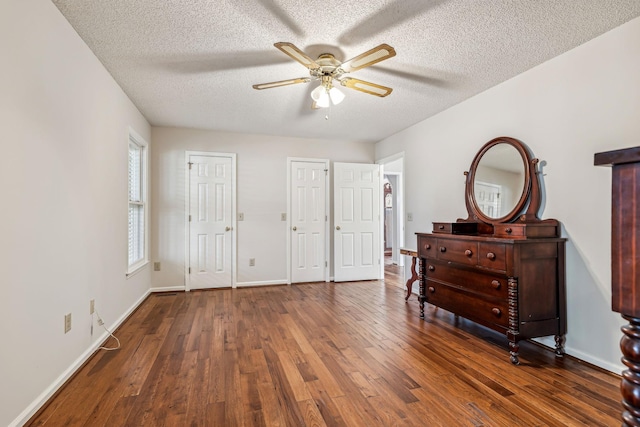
357, 224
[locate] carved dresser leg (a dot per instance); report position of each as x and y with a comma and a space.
422, 287
559, 345
630, 385
514, 347
514, 328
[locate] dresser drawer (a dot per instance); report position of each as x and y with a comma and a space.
427, 247
460, 251
485, 311
492, 255
514, 231
522, 231
491, 285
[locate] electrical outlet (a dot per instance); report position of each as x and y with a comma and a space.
409, 216
240, 216
67, 323
252, 262
92, 306
283, 217
156, 266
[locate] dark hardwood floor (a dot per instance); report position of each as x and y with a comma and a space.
346, 354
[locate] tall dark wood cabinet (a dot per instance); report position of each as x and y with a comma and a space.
503, 266
625, 268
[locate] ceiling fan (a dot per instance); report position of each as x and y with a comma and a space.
329, 70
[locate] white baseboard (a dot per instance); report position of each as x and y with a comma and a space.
68, 373
261, 283
549, 342
168, 289
611, 367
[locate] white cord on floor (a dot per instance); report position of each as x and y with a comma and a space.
101, 323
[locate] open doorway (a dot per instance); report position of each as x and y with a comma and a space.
393, 203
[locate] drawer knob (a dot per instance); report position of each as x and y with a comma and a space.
443, 249
491, 256
495, 284
427, 246
431, 268
496, 311
508, 230
468, 252
441, 227
432, 289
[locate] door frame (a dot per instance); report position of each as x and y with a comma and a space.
187, 203
399, 205
327, 259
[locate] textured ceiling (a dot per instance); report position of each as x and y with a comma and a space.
191, 63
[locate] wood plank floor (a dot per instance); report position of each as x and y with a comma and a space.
346, 354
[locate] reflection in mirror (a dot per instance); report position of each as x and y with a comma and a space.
499, 180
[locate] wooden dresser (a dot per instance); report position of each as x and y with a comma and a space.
506, 271
514, 286
625, 276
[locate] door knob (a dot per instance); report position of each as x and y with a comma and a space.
227, 228
294, 228
337, 227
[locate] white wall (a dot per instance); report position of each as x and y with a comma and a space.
63, 220
261, 196
580, 103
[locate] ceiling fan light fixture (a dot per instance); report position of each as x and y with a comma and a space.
336, 95
323, 101
316, 94
324, 96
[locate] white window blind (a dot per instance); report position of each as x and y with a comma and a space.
137, 203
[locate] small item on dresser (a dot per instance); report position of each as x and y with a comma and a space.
455, 227
502, 267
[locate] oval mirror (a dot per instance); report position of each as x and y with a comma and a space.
499, 181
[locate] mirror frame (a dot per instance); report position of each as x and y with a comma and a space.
526, 210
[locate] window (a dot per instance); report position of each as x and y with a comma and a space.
137, 229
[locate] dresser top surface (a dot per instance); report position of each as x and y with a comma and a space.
491, 238
616, 157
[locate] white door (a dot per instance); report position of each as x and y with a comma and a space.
357, 224
308, 221
210, 222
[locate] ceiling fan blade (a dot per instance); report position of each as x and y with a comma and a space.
297, 54
281, 83
370, 57
366, 87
